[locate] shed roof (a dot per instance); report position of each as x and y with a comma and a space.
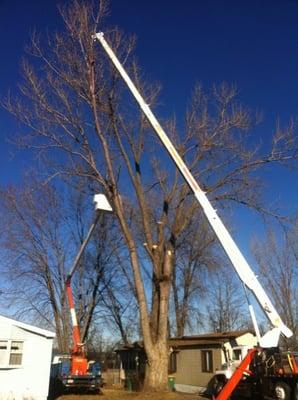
195, 340
228, 334
27, 327
207, 338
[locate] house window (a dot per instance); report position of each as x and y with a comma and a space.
16, 353
11, 352
207, 361
3, 351
172, 363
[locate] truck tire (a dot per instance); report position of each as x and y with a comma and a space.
217, 384
282, 391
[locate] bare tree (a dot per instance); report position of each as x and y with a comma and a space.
36, 257
195, 255
43, 232
113, 300
277, 263
76, 112
120, 312
100, 276
225, 303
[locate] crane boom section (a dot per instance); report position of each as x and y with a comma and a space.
77, 345
82, 248
237, 259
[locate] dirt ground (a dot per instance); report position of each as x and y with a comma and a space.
113, 394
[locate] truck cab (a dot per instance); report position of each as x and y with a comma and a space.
233, 357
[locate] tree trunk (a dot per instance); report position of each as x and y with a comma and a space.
156, 376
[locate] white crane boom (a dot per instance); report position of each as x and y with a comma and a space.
237, 259
100, 204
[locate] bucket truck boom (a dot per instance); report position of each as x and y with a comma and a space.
79, 364
83, 374
238, 261
274, 373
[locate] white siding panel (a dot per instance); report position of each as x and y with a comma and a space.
30, 381
248, 339
5, 331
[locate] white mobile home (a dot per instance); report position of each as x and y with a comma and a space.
25, 360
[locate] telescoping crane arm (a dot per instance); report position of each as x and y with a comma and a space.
77, 345
237, 259
101, 203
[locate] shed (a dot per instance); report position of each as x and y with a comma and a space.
25, 360
193, 360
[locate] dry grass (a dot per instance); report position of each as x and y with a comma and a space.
114, 394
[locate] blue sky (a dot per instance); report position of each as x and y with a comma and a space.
252, 44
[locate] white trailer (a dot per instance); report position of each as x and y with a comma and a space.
25, 360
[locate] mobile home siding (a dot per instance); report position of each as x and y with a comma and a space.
30, 379
189, 366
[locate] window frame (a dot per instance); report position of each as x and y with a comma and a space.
16, 351
207, 361
9, 351
172, 368
4, 350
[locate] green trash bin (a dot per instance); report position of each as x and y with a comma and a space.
171, 383
128, 384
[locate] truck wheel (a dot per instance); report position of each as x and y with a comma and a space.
216, 385
282, 391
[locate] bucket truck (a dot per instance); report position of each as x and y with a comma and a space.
74, 371
272, 373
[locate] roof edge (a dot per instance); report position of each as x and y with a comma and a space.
27, 327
